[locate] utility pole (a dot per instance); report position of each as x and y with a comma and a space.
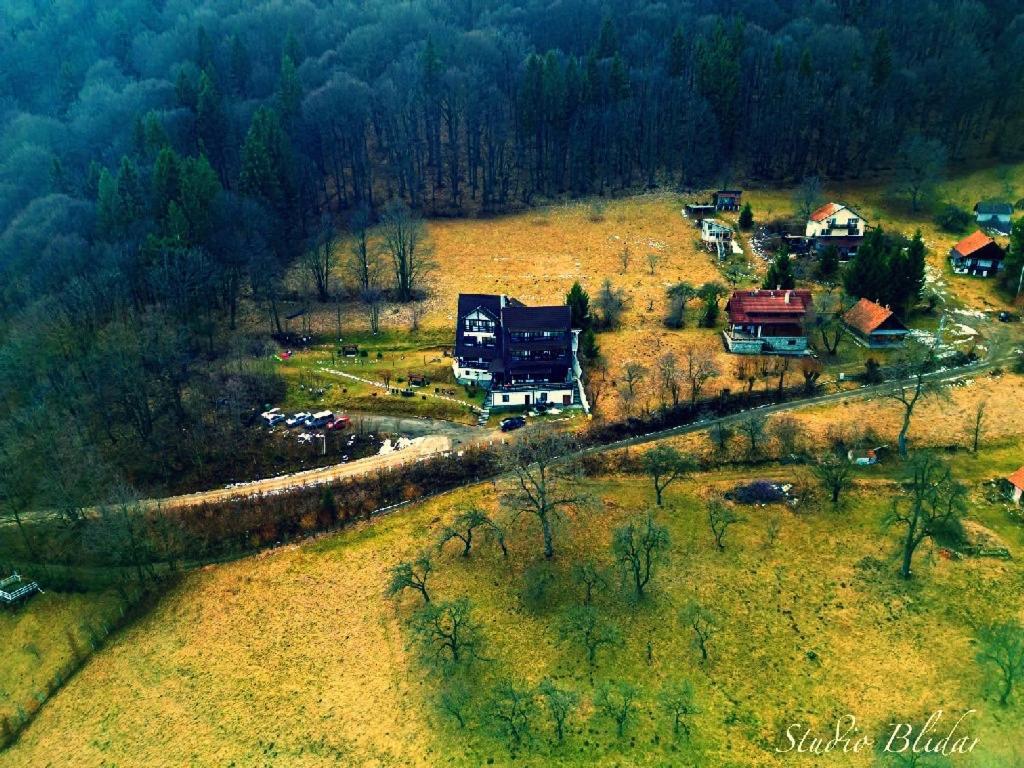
1020, 282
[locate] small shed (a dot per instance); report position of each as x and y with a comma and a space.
14, 589
875, 326
994, 214
727, 199
697, 212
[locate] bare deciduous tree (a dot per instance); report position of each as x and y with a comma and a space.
405, 238
677, 699
833, 473
704, 624
932, 505
584, 626
320, 257
448, 631
560, 705
668, 378
411, 575
590, 577
699, 366
638, 546
979, 419
616, 700
665, 465
1001, 645
466, 524
911, 384
720, 517
545, 482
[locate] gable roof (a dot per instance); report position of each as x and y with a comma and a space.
973, 242
490, 303
828, 209
536, 318
1017, 478
867, 316
993, 208
764, 305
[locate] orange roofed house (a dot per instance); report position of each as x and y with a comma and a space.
874, 325
767, 322
835, 224
978, 255
1017, 485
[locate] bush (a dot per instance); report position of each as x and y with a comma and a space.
953, 219
757, 492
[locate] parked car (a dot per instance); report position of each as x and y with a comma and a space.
319, 419
512, 423
297, 419
272, 417
1008, 317
340, 422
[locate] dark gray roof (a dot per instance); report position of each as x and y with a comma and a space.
536, 318
469, 302
993, 207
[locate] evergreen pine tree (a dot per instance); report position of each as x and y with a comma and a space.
746, 217
780, 273
578, 301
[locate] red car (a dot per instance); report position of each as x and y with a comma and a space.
340, 422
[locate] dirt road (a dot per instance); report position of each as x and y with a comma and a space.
422, 447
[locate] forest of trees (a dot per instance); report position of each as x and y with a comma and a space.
160, 160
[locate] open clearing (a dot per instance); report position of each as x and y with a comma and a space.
295, 658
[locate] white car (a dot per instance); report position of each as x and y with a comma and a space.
298, 419
272, 417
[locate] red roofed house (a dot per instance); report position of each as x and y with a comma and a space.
835, 224
874, 325
1017, 485
767, 322
978, 255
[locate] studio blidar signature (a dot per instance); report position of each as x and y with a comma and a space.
941, 734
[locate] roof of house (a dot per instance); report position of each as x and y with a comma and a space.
993, 207
1017, 478
973, 242
867, 316
491, 303
729, 192
536, 318
828, 209
756, 306
715, 224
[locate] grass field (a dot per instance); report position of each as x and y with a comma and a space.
295, 657
42, 641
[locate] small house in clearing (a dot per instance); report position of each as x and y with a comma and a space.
875, 326
728, 199
994, 214
767, 322
1016, 481
978, 255
714, 234
833, 224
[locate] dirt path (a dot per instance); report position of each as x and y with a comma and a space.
422, 448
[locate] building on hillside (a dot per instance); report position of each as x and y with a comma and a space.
978, 255
727, 199
767, 322
836, 225
716, 236
697, 212
995, 215
14, 589
875, 326
1016, 481
525, 356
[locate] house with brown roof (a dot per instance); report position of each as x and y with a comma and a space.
767, 322
978, 255
837, 225
1016, 481
875, 326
